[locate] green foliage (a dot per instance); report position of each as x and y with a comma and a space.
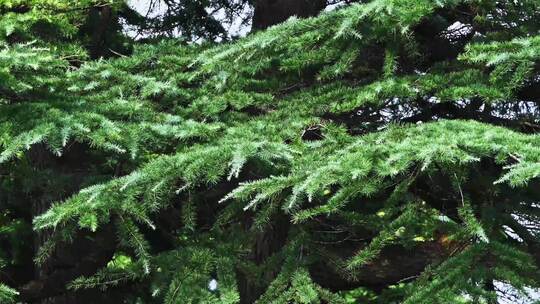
7, 295
345, 125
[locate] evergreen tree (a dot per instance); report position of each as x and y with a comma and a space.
383, 152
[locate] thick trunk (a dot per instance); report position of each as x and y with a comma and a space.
104, 20
270, 12
41, 159
395, 264
90, 251
266, 244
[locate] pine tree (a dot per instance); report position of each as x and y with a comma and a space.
383, 152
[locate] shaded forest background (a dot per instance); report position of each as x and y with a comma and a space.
382, 152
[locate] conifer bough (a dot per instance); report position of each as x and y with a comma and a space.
384, 152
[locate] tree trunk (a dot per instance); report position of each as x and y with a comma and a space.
89, 251
104, 20
270, 12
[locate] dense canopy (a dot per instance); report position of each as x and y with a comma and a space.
383, 152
